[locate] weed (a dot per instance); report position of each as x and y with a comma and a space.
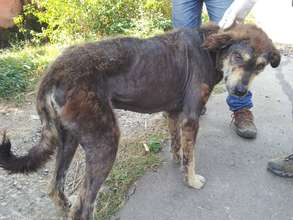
21, 69
154, 144
131, 163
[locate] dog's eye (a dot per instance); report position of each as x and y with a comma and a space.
237, 57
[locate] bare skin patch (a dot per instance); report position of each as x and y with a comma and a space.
164, 73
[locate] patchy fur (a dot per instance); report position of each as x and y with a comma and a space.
174, 72
256, 37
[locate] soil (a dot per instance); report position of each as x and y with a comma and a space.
25, 196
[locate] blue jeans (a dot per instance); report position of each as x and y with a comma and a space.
187, 13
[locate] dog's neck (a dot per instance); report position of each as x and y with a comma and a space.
217, 61
215, 57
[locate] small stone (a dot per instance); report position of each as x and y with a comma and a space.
35, 117
104, 189
43, 195
46, 172
72, 199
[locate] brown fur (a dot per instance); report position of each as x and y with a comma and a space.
172, 72
256, 37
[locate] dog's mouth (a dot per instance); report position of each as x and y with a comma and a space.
238, 94
238, 90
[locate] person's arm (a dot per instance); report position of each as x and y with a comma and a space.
237, 12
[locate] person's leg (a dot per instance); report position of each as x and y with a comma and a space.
243, 118
186, 13
217, 8
282, 167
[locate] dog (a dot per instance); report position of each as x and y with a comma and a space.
174, 72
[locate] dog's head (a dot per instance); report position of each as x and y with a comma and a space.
243, 52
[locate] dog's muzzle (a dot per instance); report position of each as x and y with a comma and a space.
240, 90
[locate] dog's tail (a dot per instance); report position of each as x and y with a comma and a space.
33, 160
39, 154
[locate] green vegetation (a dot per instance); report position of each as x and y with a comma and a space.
66, 22
21, 69
125, 172
154, 144
89, 19
132, 162
63, 23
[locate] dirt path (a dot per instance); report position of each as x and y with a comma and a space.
25, 197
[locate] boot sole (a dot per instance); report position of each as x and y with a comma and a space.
245, 135
280, 173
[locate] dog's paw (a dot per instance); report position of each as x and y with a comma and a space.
196, 181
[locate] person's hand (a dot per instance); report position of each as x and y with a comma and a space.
237, 12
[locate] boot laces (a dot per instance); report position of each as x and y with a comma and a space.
242, 115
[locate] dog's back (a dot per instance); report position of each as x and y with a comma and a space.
76, 96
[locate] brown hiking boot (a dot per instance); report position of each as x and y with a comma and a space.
282, 166
243, 121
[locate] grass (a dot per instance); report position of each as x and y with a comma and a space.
20, 69
125, 172
132, 162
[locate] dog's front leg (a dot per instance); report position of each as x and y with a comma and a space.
174, 129
189, 132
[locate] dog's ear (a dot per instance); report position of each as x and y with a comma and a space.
274, 58
209, 28
217, 41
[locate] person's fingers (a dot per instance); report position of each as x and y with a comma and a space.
231, 14
238, 10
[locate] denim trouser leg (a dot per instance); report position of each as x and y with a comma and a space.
236, 103
187, 13
217, 8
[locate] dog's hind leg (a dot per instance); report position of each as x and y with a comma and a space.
174, 129
94, 120
189, 133
100, 156
64, 156
100, 148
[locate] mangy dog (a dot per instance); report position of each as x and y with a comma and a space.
174, 72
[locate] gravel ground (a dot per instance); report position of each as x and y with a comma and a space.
25, 197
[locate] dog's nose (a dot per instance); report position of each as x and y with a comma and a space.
240, 90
